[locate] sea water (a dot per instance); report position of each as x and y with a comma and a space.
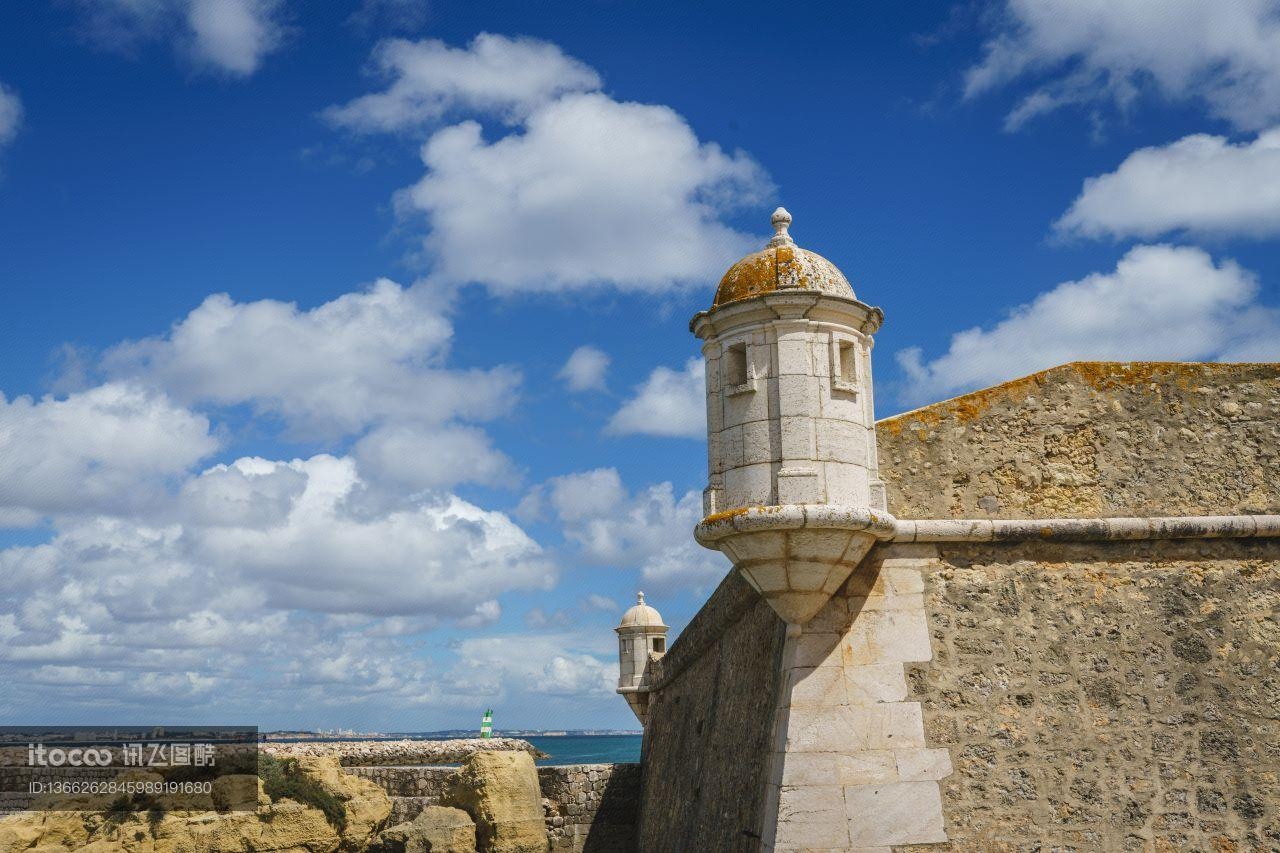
587, 749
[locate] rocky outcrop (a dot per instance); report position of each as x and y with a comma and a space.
500, 791
365, 806
438, 829
373, 753
347, 813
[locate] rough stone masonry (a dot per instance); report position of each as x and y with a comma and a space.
1036, 617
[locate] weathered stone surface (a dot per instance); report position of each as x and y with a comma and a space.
500, 791
1118, 696
436, 829
709, 736
1092, 439
273, 828
365, 804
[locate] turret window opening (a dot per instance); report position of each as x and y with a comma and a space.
659, 644
848, 367
844, 364
735, 365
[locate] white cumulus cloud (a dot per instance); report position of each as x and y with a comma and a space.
650, 529
668, 403
359, 359
493, 74
1161, 303
112, 448
585, 369
419, 458
1200, 183
1222, 53
577, 190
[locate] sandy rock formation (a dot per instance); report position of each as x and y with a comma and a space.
500, 791
438, 829
283, 826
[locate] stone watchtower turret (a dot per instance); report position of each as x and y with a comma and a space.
640, 634
794, 497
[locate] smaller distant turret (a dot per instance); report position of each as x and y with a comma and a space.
640, 634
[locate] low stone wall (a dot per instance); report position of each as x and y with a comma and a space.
426, 782
590, 808
368, 753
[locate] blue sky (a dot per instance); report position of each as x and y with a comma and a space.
345, 369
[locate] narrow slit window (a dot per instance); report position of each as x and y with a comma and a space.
735, 365
659, 644
848, 364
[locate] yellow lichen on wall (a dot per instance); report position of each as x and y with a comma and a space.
1090, 438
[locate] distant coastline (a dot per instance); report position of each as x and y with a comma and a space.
287, 735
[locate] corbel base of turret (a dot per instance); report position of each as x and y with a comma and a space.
795, 555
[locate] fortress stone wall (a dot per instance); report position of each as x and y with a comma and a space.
1093, 439
1123, 696
1029, 694
707, 743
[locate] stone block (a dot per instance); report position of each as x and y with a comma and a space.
806, 576
810, 768
853, 728
797, 439
840, 406
797, 396
894, 813
756, 446
919, 765
820, 347
749, 485
886, 636
870, 685
905, 580
812, 816
834, 617
748, 406
799, 485
817, 544
847, 484
794, 355
866, 767
840, 441
817, 687
762, 545
767, 577
913, 601
730, 444
815, 648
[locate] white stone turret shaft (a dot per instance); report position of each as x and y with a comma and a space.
789, 409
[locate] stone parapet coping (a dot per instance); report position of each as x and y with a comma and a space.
752, 519
1087, 529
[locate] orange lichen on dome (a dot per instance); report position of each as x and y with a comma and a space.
781, 265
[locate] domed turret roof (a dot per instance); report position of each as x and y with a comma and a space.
641, 616
781, 265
